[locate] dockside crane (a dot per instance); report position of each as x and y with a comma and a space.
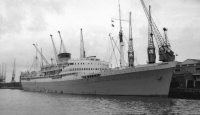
43, 58
13, 74
62, 46
165, 52
4, 76
55, 51
151, 48
166, 37
2, 70
130, 45
82, 49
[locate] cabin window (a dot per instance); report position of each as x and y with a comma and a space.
191, 64
184, 65
178, 66
197, 70
177, 71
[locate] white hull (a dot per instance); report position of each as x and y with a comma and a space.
146, 81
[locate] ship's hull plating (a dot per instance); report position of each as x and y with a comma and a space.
147, 83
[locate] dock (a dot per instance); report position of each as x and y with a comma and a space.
186, 93
12, 85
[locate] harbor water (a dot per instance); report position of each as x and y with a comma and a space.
19, 102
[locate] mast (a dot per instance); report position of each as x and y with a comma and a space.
120, 23
121, 43
13, 74
82, 49
130, 45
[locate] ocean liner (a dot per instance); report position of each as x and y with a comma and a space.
90, 75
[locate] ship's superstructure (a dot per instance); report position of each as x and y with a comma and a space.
90, 75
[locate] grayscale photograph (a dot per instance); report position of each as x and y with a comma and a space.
99, 57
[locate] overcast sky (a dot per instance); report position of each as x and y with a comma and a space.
25, 22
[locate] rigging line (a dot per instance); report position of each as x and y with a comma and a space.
126, 39
116, 59
108, 51
32, 64
119, 19
116, 44
113, 52
111, 57
138, 57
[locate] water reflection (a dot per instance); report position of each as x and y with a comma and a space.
23, 103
